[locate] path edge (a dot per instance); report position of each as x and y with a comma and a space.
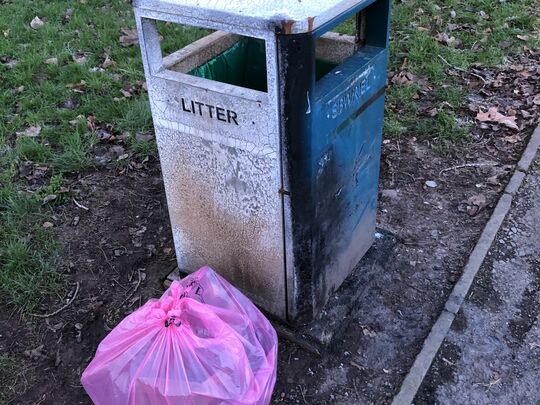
432, 343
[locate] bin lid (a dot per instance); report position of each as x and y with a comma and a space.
289, 16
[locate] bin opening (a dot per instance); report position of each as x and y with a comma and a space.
243, 65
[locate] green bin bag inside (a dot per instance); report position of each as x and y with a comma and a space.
244, 65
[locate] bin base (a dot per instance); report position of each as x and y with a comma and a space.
319, 335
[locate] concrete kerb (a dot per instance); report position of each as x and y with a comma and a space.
438, 332
530, 151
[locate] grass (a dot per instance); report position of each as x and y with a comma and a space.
488, 33
9, 367
59, 97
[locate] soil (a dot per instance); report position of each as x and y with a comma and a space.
120, 249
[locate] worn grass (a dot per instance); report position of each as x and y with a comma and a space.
9, 368
35, 93
488, 32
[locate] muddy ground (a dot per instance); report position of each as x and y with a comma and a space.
491, 354
117, 247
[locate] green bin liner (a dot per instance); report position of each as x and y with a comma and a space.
244, 65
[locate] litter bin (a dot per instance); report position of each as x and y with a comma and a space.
269, 133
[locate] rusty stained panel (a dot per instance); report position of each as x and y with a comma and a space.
222, 182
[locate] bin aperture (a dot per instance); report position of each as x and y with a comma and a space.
269, 138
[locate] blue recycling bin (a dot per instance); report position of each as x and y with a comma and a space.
269, 133
333, 135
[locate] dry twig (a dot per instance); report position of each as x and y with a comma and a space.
462, 70
466, 165
60, 309
78, 204
135, 289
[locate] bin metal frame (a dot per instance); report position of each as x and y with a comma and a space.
253, 192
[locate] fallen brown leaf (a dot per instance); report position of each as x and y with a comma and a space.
129, 37
79, 58
475, 204
445, 39
77, 87
107, 61
493, 115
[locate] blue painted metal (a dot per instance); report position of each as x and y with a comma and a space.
333, 144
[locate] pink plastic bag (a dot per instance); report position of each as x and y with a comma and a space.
202, 343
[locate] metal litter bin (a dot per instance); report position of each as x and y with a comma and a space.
269, 133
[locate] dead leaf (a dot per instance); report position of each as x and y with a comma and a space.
67, 16
47, 224
107, 61
36, 354
536, 99
77, 87
368, 331
49, 198
129, 37
144, 137
8, 62
494, 180
51, 61
91, 122
69, 104
118, 150
36, 23
126, 92
30, 132
475, 204
512, 138
483, 15
493, 115
523, 37
79, 58
445, 39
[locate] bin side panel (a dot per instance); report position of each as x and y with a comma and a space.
345, 189
332, 138
346, 145
222, 180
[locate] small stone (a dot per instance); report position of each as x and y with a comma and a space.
391, 194
78, 326
431, 184
48, 224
